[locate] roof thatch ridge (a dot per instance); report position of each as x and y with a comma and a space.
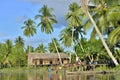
47, 55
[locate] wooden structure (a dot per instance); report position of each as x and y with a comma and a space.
39, 59
90, 72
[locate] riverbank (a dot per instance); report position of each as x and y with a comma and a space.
23, 69
44, 69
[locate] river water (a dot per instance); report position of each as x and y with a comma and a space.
56, 76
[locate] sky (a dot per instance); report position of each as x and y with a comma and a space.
13, 13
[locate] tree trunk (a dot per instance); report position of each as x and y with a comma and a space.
57, 50
81, 46
85, 9
100, 36
72, 47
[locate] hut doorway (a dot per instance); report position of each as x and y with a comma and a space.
51, 62
41, 61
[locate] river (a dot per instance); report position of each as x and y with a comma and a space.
56, 76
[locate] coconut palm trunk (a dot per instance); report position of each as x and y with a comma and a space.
85, 9
72, 47
81, 47
57, 50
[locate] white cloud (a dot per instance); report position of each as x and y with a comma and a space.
21, 18
60, 7
3, 34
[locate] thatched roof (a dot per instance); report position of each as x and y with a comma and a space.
46, 55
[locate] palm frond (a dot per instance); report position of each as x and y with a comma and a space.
114, 36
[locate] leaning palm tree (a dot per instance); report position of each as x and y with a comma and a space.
46, 23
29, 29
104, 16
85, 9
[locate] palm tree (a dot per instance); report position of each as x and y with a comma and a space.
2, 54
46, 22
66, 35
52, 48
41, 49
18, 51
73, 19
8, 50
29, 29
85, 9
29, 49
19, 41
102, 14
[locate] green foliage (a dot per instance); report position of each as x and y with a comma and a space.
117, 68
19, 41
18, 57
114, 36
73, 58
52, 48
29, 49
46, 19
105, 16
2, 52
41, 49
93, 49
65, 36
29, 28
101, 68
107, 2
73, 15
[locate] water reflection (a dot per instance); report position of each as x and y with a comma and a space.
55, 76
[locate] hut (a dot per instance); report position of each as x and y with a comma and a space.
40, 59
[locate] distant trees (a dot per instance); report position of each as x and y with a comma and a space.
52, 49
106, 21
41, 49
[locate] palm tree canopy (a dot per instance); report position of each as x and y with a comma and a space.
107, 2
98, 32
8, 46
41, 49
66, 35
114, 36
46, 19
19, 41
52, 48
73, 16
29, 28
104, 16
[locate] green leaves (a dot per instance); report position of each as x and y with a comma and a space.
41, 49
51, 46
46, 19
73, 16
29, 28
114, 36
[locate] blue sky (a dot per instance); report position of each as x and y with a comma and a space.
15, 12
